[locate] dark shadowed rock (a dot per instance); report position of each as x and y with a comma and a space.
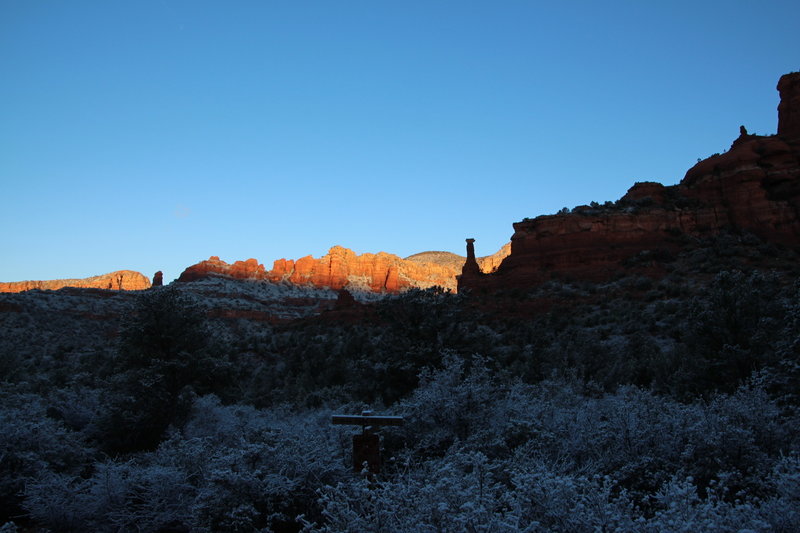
789, 108
753, 187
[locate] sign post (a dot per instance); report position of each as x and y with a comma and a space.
367, 445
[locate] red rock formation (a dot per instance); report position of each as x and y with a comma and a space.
644, 190
456, 262
214, 266
753, 187
490, 263
127, 280
158, 279
342, 268
379, 272
789, 108
471, 264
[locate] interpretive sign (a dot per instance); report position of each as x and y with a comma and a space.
367, 445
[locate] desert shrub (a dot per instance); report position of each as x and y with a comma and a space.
232, 468
32, 443
119, 496
550, 457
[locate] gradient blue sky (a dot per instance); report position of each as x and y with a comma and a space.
150, 135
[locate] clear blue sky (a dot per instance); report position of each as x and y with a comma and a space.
150, 135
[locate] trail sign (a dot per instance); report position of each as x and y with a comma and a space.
367, 445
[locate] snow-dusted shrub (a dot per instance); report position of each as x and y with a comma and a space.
234, 468
544, 500
457, 493
254, 467
782, 510
451, 403
680, 509
120, 496
31, 444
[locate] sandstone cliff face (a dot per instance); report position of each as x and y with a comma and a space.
342, 268
123, 280
490, 263
754, 187
338, 269
214, 266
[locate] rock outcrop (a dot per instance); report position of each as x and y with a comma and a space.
455, 262
789, 108
753, 187
214, 266
342, 268
121, 280
380, 272
490, 263
471, 267
158, 279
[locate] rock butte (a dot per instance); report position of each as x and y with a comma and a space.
127, 280
342, 268
753, 187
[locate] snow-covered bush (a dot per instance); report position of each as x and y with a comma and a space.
234, 468
32, 444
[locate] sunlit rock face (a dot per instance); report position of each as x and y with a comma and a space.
214, 266
126, 280
490, 263
753, 187
342, 268
339, 268
380, 272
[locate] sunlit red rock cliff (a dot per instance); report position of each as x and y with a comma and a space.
126, 280
754, 187
343, 268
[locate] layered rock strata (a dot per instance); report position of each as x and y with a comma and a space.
753, 187
121, 280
